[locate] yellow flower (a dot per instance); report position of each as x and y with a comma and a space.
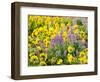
56, 29
75, 26
59, 61
86, 51
44, 27
62, 26
32, 34
82, 54
29, 45
49, 33
46, 41
83, 60
76, 31
31, 19
47, 44
53, 36
51, 29
43, 57
64, 34
30, 38
83, 57
56, 25
65, 39
48, 20
39, 20
69, 24
71, 49
34, 59
31, 54
40, 29
55, 19
70, 58
39, 48
37, 41
43, 63
83, 35
36, 32
33, 41
45, 30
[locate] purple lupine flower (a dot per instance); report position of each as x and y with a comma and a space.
61, 38
53, 43
57, 39
60, 35
71, 37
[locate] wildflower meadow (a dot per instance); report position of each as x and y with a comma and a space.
57, 40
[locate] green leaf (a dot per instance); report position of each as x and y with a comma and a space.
79, 22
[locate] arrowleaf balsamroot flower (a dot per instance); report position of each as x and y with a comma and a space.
43, 57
